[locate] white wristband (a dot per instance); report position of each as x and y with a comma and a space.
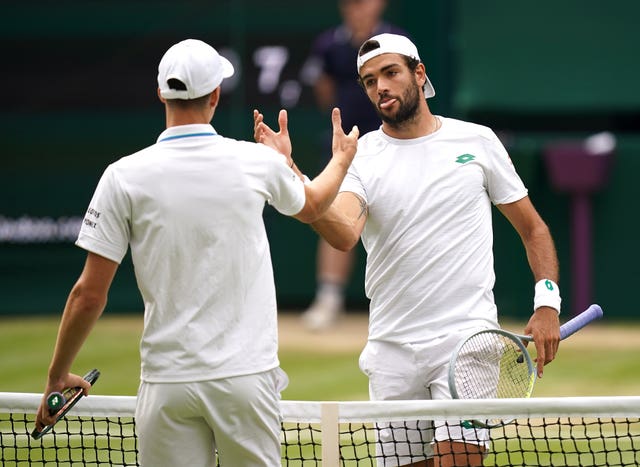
547, 293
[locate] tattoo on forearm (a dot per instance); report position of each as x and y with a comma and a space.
364, 209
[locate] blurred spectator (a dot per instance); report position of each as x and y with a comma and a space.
331, 71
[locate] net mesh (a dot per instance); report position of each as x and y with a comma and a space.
587, 431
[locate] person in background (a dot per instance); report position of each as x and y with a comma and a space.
190, 208
419, 194
329, 69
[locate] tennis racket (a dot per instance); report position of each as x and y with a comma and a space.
61, 403
495, 364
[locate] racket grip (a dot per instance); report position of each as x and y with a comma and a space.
578, 322
55, 401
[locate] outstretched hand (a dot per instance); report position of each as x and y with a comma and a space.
279, 141
343, 144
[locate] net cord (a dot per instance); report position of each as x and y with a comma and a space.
363, 411
352, 421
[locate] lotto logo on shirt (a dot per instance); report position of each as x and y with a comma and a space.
464, 158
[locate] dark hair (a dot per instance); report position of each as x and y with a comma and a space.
368, 46
176, 84
373, 44
412, 63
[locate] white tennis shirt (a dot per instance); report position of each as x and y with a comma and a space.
190, 208
429, 235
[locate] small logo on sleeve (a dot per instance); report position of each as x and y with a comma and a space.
91, 218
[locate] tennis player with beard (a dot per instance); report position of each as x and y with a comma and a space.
419, 194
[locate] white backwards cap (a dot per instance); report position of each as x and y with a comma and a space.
197, 65
394, 44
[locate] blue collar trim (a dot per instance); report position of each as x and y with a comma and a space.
169, 138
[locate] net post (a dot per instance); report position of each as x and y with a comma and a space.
330, 430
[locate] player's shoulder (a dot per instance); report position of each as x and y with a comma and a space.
246, 148
371, 143
463, 127
370, 136
135, 158
239, 144
254, 153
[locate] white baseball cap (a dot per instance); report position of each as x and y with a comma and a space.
196, 64
394, 44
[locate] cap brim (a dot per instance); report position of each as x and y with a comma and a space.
429, 90
227, 67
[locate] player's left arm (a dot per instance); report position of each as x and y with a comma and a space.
84, 306
544, 324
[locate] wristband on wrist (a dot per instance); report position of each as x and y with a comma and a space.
547, 293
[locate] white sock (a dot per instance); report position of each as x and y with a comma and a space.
331, 292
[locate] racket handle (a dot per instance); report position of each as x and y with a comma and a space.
578, 322
55, 401
60, 403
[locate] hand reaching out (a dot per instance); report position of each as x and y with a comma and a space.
279, 141
342, 144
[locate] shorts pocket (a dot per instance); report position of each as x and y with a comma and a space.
281, 379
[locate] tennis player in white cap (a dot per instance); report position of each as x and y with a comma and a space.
190, 208
419, 194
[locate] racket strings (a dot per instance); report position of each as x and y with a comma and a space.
492, 365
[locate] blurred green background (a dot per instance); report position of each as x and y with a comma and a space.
79, 92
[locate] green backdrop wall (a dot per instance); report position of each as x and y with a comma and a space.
79, 92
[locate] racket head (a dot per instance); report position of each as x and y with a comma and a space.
491, 364
71, 396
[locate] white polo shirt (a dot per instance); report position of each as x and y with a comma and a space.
428, 234
190, 207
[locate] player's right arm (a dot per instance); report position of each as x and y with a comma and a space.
84, 306
323, 189
342, 224
321, 192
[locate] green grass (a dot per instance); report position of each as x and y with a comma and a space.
322, 376
599, 361
26, 346
602, 360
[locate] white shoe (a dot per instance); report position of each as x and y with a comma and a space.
322, 314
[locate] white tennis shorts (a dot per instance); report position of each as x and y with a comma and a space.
185, 423
413, 372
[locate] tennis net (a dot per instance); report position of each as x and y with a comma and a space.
571, 431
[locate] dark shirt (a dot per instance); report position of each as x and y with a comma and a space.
333, 53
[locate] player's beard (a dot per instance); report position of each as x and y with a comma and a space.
408, 111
